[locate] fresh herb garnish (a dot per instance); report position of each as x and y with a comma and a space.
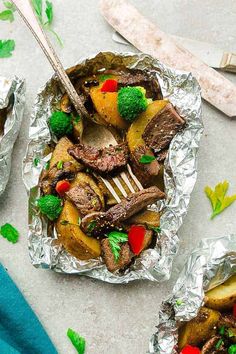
219, 343
7, 15
230, 333
222, 330
232, 349
77, 119
64, 222
145, 159
9, 5
47, 165
115, 238
6, 48
77, 341
36, 161
9, 232
104, 77
179, 302
154, 228
218, 198
91, 226
60, 165
38, 6
79, 220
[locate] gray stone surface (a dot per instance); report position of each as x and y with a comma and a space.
114, 319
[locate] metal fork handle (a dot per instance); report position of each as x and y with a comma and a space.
26, 12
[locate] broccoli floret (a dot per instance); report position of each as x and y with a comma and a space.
60, 124
50, 206
131, 102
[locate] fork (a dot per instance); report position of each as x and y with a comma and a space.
26, 12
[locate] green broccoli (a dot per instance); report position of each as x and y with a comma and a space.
131, 102
60, 124
50, 206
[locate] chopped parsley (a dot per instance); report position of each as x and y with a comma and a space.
222, 330
179, 302
64, 222
6, 48
9, 232
36, 161
230, 333
7, 15
47, 165
77, 119
156, 229
115, 238
219, 343
91, 226
145, 159
60, 165
104, 77
78, 342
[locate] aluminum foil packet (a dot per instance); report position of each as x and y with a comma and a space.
211, 264
182, 89
12, 100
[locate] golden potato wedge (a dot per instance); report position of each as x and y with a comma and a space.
78, 127
135, 132
146, 217
83, 178
105, 104
72, 237
223, 296
60, 154
199, 329
65, 104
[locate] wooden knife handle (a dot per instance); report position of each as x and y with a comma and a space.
228, 62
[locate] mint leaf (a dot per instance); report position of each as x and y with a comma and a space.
219, 200
9, 232
49, 12
115, 238
7, 15
6, 48
77, 341
145, 159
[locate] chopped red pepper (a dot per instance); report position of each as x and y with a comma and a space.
136, 237
62, 187
110, 85
188, 349
234, 310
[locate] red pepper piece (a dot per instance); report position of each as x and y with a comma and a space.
136, 237
188, 349
62, 187
110, 86
234, 310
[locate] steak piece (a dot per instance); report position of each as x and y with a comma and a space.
50, 178
122, 211
85, 199
227, 320
161, 156
109, 259
162, 128
144, 171
106, 160
210, 347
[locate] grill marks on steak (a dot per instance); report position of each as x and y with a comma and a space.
85, 199
106, 160
121, 211
162, 128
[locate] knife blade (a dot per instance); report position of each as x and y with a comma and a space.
209, 53
148, 38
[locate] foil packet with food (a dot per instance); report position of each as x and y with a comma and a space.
200, 315
12, 100
77, 223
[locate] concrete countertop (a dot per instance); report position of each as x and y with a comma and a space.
114, 319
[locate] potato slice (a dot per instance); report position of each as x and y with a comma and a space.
105, 104
146, 217
223, 296
65, 104
199, 329
72, 237
60, 153
135, 132
83, 178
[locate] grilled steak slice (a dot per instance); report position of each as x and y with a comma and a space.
109, 259
210, 347
228, 320
122, 211
50, 178
85, 199
143, 171
106, 160
162, 128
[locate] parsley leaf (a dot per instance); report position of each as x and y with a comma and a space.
77, 119
49, 12
38, 8
6, 48
154, 228
77, 341
145, 159
179, 302
91, 226
7, 15
218, 198
115, 238
36, 161
9, 5
60, 165
219, 343
9, 232
47, 165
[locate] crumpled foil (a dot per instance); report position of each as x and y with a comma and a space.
182, 89
12, 92
212, 263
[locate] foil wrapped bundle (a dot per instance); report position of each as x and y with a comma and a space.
180, 173
12, 100
210, 265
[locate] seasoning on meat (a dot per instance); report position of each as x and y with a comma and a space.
162, 128
105, 160
124, 258
84, 198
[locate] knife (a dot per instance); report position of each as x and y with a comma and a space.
209, 53
148, 38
